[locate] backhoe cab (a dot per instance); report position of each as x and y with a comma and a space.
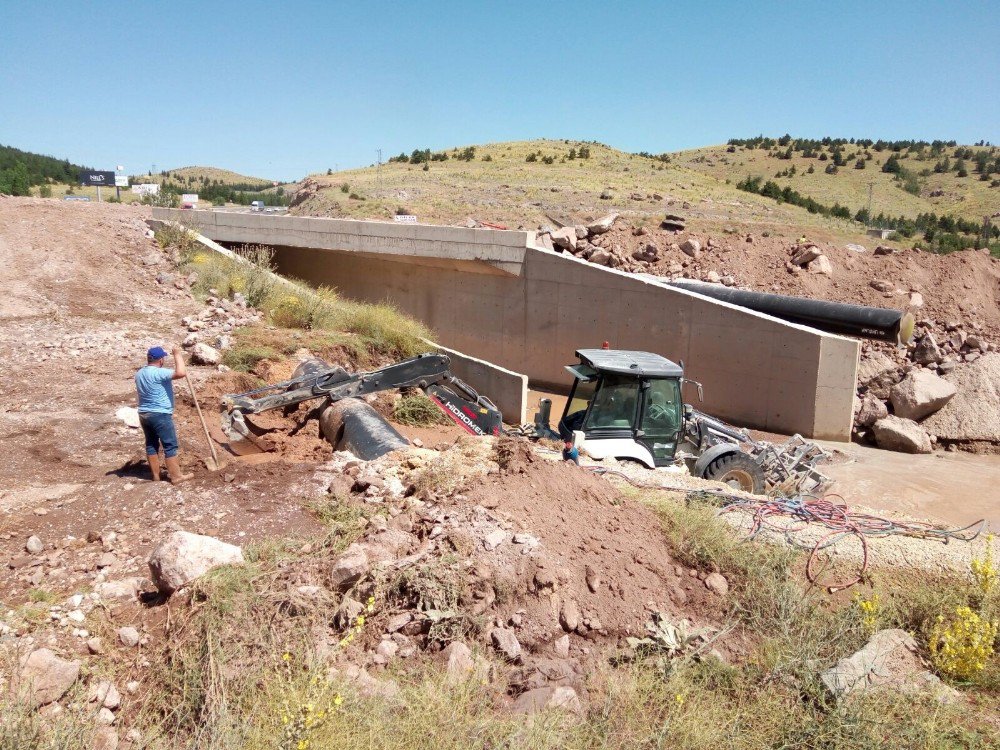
628, 405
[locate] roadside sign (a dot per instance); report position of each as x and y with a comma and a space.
97, 179
146, 188
121, 180
189, 198
405, 218
76, 198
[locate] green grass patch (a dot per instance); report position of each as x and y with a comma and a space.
417, 410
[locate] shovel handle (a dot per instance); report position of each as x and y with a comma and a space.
197, 406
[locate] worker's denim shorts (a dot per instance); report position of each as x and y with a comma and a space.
159, 430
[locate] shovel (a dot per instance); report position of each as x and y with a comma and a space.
214, 465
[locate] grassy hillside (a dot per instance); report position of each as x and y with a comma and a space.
212, 175
500, 185
946, 192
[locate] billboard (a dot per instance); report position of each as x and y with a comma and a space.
121, 180
146, 188
97, 179
189, 198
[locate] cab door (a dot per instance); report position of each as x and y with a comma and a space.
660, 419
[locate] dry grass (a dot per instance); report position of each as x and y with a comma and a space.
417, 410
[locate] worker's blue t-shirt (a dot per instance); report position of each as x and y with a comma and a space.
155, 388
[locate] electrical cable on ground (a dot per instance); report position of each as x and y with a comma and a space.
829, 511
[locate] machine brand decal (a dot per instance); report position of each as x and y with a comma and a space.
458, 416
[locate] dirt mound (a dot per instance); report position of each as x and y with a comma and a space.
600, 554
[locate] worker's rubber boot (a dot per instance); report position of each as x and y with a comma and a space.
154, 466
174, 471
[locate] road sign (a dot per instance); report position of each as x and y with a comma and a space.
121, 180
405, 218
97, 179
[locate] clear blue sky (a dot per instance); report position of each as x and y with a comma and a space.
281, 89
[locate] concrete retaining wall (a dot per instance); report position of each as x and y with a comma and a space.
508, 390
493, 295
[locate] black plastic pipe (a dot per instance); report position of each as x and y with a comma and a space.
878, 323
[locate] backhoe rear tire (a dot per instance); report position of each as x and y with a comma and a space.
739, 471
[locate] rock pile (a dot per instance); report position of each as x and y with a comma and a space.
907, 397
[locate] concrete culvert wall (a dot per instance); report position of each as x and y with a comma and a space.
492, 294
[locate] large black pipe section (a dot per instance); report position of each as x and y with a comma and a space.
352, 425
878, 323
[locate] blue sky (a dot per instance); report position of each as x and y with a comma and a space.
281, 89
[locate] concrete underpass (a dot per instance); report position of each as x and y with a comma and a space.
494, 295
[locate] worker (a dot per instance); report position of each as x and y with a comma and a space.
155, 389
570, 452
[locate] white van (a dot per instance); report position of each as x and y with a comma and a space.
257, 206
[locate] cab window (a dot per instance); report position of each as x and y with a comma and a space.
615, 404
663, 407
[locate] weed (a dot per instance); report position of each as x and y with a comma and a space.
984, 572
417, 410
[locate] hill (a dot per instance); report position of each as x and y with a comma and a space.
907, 178
21, 170
532, 183
206, 175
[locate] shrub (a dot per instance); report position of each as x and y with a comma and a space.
345, 188
531, 157
961, 645
45, 191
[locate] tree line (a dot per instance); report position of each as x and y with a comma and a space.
21, 170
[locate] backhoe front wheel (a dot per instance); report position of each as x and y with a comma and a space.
739, 471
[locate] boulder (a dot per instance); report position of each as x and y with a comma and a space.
182, 557
603, 224
45, 677
872, 410
672, 223
712, 277
34, 545
903, 435
691, 247
349, 568
806, 254
649, 253
926, 352
129, 636
920, 394
820, 265
878, 373
854, 248
203, 354
890, 660
881, 285
559, 697
581, 232
565, 238
600, 256
461, 665
717, 584
505, 641
884, 250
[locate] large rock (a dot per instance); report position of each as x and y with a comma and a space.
926, 352
461, 665
691, 247
903, 435
805, 255
602, 225
878, 373
182, 557
600, 256
565, 238
203, 354
890, 660
45, 677
820, 265
974, 412
558, 697
349, 568
872, 410
505, 641
920, 394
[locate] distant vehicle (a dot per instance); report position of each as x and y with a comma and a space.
257, 206
188, 205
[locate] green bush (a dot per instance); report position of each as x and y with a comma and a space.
45, 191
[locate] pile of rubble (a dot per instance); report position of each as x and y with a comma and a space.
210, 331
929, 394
